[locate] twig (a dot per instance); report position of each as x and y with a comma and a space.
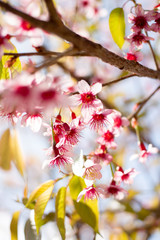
142, 103
54, 60
72, 73
52, 12
118, 80
48, 53
153, 54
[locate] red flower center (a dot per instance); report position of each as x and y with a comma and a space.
131, 57
140, 22
22, 91
117, 121
26, 25
157, 21
87, 97
108, 136
139, 38
48, 95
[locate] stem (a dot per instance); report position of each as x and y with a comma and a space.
118, 80
142, 103
111, 170
153, 54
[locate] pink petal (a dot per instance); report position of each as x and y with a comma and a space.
83, 87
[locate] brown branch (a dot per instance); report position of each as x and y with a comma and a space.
53, 15
56, 26
48, 53
142, 103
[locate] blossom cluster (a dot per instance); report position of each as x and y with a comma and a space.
140, 28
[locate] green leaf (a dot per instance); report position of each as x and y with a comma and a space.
17, 156
60, 205
38, 191
117, 26
6, 72
5, 150
30, 231
87, 210
14, 226
40, 207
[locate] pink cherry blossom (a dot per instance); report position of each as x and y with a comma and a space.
101, 155
32, 120
107, 139
92, 170
126, 177
117, 121
87, 98
156, 25
4, 42
140, 19
137, 39
91, 192
115, 191
134, 55
99, 119
145, 153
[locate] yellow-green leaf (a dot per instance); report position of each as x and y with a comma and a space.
14, 226
60, 205
117, 26
16, 152
40, 207
8, 72
5, 150
39, 190
87, 210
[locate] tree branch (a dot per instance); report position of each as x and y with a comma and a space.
83, 44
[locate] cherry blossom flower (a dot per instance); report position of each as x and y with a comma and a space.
101, 155
115, 191
156, 25
4, 42
87, 98
60, 157
134, 55
137, 39
92, 170
140, 19
91, 192
117, 121
32, 120
144, 153
99, 119
107, 139
126, 177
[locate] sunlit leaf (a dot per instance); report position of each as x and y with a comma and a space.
60, 205
49, 217
8, 72
29, 231
39, 190
14, 226
40, 207
88, 210
16, 152
120, 236
5, 150
117, 26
